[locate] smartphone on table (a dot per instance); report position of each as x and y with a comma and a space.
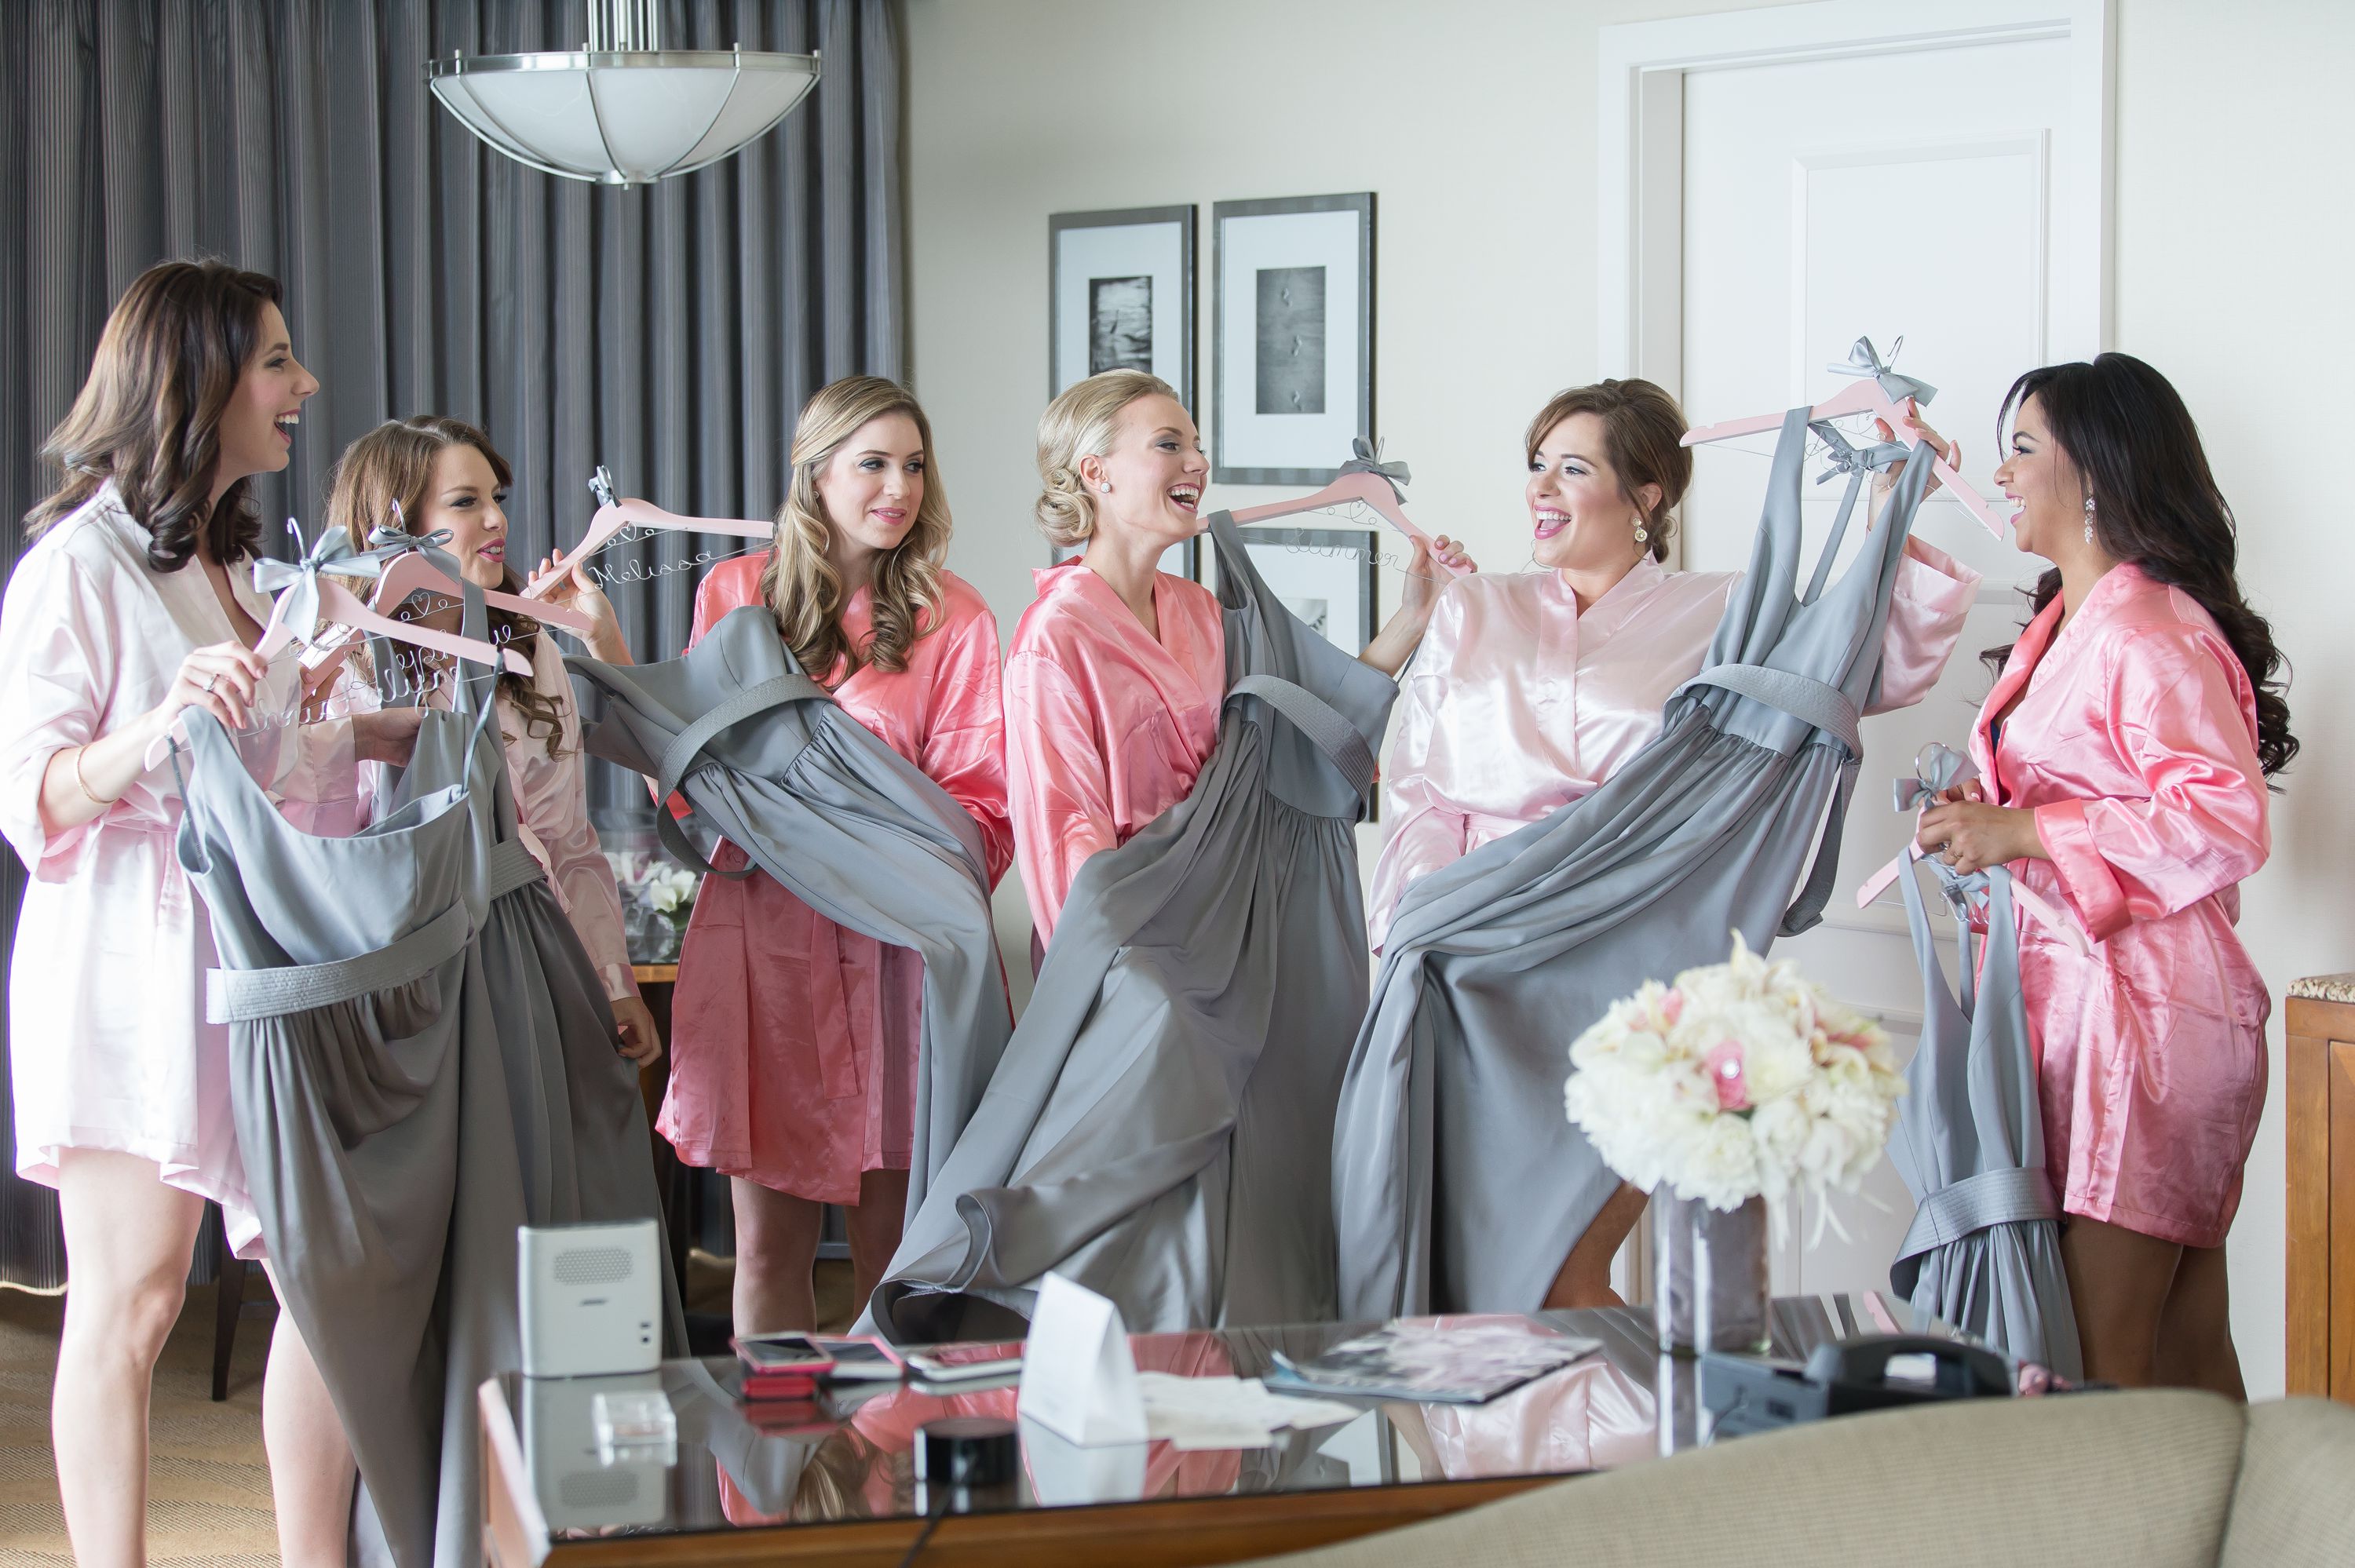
769, 1354
859, 1360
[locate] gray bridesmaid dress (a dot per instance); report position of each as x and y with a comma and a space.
1160, 1128
1459, 1184
421, 1061
771, 763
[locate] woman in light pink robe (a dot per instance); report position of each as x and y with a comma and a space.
794, 1039
1118, 670
1531, 690
2123, 758
134, 601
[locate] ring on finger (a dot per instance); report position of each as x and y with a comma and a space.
212, 680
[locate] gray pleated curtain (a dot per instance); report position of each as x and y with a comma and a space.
669, 333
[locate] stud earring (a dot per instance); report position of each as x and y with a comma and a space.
2089, 520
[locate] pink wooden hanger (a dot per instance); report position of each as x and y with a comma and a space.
1936, 769
410, 566
309, 601
1880, 392
629, 511
1364, 479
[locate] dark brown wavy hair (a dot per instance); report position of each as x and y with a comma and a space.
2155, 506
394, 462
148, 416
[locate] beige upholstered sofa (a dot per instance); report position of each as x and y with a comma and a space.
2158, 1479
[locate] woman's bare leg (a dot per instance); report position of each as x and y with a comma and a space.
2195, 1331
776, 1247
311, 1467
1585, 1277
128, 1240
875, 1226
2120, 1280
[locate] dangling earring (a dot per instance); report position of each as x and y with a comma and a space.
2089, 520
1643, 534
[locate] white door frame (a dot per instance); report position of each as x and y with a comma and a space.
1639, 225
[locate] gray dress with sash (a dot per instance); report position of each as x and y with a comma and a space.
771, 763
1160, 1128
1459, 1184
419, 1065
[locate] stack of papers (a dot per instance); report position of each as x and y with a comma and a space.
1229, 1411
1443, 1360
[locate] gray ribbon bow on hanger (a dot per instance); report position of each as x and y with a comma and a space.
389, 542
1864, 360
1846, 457
298, 581
1937, 767
1369, 460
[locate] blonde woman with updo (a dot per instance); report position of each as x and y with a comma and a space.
794, 1040
1118, 670
1535, 687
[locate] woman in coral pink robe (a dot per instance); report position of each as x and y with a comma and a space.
795, 1041
1118, 670
2123, 758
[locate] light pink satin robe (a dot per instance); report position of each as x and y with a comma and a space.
1516, 705
2135, 745
1106, 725
794, 1039
109, 1048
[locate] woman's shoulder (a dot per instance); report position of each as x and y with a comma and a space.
961, 602
734, 582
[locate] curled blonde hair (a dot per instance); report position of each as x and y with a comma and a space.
1080, 424
800, 585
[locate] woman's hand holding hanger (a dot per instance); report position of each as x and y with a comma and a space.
1949, 452
1395, 644
579, 590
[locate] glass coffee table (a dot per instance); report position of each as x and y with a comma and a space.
838, 1486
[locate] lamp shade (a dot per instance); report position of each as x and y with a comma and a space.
622, 117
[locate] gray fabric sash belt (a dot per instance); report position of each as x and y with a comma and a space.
1992, 1198
1317, 719
682, 752
234, 996
1805, 698
512, 866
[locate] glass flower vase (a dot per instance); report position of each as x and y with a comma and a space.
1709, 1276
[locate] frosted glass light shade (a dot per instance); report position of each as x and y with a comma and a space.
622, 117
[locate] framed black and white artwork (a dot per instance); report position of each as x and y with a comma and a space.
1120, 295
1292, 336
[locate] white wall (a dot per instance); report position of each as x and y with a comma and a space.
1474, 124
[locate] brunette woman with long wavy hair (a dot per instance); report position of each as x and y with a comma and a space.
135, 601
434, 473
794, 1040
2123, 757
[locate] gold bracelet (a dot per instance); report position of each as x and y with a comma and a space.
83, 787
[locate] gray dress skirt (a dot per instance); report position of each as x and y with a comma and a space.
1459, 1184
771, 762
1160, 1128
419, 1065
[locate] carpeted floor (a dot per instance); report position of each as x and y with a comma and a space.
208, 1483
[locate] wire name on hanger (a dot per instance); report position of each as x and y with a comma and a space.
634, 571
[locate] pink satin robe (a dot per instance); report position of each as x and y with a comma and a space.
794, 1039
1516, 705
2136, 747
1107, 726
109, 1048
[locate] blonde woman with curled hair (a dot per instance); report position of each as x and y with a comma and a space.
794, 1039
1118, 670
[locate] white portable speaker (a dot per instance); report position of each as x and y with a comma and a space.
591, 1299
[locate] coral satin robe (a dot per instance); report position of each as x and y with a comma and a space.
2136, 747
1107, 726
1517, 704
794, 1039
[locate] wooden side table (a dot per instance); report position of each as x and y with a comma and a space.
2319, 1079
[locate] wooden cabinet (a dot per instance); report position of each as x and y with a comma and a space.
2319, 1079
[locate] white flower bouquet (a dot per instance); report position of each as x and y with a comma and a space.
657, 896
1741, 1080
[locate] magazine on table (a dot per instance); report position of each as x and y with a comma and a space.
1436, 1360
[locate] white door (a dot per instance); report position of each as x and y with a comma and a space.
1905, 192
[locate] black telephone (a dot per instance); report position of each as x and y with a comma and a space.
1747, 1393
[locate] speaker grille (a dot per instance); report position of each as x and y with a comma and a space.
598, 1488
591, 1266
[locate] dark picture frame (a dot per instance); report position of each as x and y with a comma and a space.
1297, 381
1135, 245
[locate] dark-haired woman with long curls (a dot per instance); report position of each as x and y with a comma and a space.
2123, 757
134, 601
